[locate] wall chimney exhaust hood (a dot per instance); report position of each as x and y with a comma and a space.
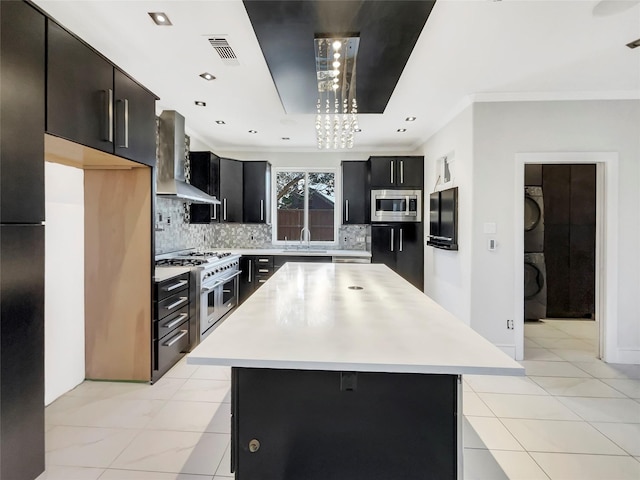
171, 159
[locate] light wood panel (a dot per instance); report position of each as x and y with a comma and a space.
118, 274
59, 150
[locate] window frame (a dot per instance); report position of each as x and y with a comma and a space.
336, 210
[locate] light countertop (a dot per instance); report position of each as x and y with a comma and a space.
315, 252
306, 317
164, 273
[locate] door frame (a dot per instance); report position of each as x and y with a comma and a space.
606, 288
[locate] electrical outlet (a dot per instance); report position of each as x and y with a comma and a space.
168, 220
251, 237
509, 324
345, 239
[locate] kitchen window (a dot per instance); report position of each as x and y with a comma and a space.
305, 205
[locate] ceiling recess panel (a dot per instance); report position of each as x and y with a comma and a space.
286, 30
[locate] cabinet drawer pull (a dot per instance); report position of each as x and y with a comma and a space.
261, 281
263, 260
108, 111
175, 304
177, 321
179, 284
182, 333
263, 270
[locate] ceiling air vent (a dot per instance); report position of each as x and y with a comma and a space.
225, 51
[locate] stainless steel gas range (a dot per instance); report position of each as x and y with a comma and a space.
216, 278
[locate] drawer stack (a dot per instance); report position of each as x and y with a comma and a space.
171, 326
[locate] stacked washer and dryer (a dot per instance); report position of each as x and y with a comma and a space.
535, 282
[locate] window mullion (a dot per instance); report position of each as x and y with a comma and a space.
306, 204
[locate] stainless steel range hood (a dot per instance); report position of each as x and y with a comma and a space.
171, 158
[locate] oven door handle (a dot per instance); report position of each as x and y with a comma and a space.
220, 282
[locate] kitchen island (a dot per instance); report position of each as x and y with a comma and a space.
347, 371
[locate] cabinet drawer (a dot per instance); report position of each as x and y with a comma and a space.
263, 261
168, 323
260, 279
171, 347
171, 305
172, 286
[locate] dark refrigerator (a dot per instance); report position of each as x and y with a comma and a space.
22, 213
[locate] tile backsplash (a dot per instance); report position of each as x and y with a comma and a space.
174, 232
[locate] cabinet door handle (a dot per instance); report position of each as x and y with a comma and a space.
400, 240
179, 284
108, 111
392, 234
176, 338
179, 319
250, 269
346, 210
224, 208
125, 123
391, 171
261, 210
401, 172
215, 210
175, 304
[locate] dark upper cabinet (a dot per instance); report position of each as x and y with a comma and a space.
256, 203
231, 190
22, 109
92, 103
135, 120
221, 178
400, 247
397, 172
79, 91
205, 175
356, 199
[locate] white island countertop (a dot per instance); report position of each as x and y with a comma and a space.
306, 317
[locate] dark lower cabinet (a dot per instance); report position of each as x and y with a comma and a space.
400, 247
319, 425
21, 350
356, 199
22, 109
174, 324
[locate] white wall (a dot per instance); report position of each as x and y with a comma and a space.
500, 131
448, 273
64, 279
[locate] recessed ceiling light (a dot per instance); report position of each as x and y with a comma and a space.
160, 18
402, 130
286, 138
220, 122
200, 104
410, 119
634, 44
207, 76
253, 131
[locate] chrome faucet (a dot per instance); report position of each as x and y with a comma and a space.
308, 236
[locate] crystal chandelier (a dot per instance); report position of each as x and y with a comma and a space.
337, 108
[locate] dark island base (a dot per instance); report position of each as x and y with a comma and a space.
328, 425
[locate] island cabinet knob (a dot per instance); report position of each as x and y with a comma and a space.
254, 445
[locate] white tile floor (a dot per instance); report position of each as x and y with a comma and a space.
572, 418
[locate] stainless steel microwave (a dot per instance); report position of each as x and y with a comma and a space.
396, 205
